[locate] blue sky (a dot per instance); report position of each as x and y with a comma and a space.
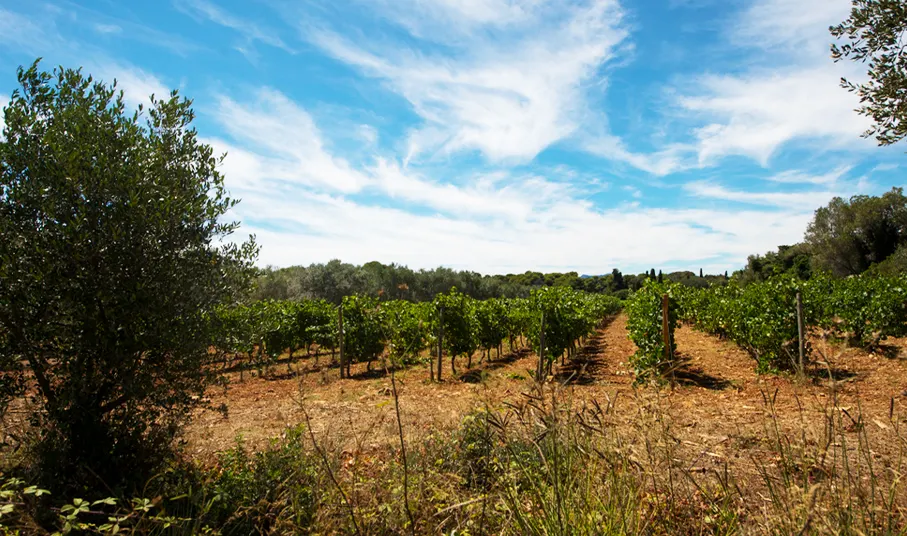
494, 135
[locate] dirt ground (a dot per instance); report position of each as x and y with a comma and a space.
720, 412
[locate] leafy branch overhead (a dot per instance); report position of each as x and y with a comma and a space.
875, 34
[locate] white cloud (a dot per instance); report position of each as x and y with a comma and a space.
368, 134
670, 159
510, 96
290, 145
790, 24
327, 227
789, 90
803, 201
137, 84
801, 177
493, 222
107, 28
785, 90
497, 196
439, 19
41, 38
251, 31
21, 32
885, 167
756, 113
496, 221
634, 191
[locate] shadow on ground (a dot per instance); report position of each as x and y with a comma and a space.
696, 377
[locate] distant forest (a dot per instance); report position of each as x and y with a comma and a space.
335, 279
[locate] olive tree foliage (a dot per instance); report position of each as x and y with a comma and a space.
113, 258
847, 237
876, 33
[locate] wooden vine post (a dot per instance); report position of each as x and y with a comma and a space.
440, 339
342, 354
801, 336
540, 373
666, 333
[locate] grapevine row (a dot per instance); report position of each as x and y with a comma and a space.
762, 317
401, 331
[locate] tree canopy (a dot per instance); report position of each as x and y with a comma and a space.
848, 236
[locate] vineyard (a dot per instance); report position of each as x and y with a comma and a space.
766, 320
729, 421
734, 438
552, 321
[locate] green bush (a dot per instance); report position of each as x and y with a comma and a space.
258, 493
114, 257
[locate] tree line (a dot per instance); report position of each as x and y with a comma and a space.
333, 280
847, 237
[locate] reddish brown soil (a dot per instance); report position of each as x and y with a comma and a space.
717, 413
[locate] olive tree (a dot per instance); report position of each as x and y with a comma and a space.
875, 34
114, 255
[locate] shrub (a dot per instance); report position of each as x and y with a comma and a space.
114, 257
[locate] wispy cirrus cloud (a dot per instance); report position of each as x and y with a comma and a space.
108, 28
798, 27
664, 161
789, 92
280, 141
757, 113
20, 32
805, 201
508, 97
800, 177
252, 32
333, 227
450, 20
137, 84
